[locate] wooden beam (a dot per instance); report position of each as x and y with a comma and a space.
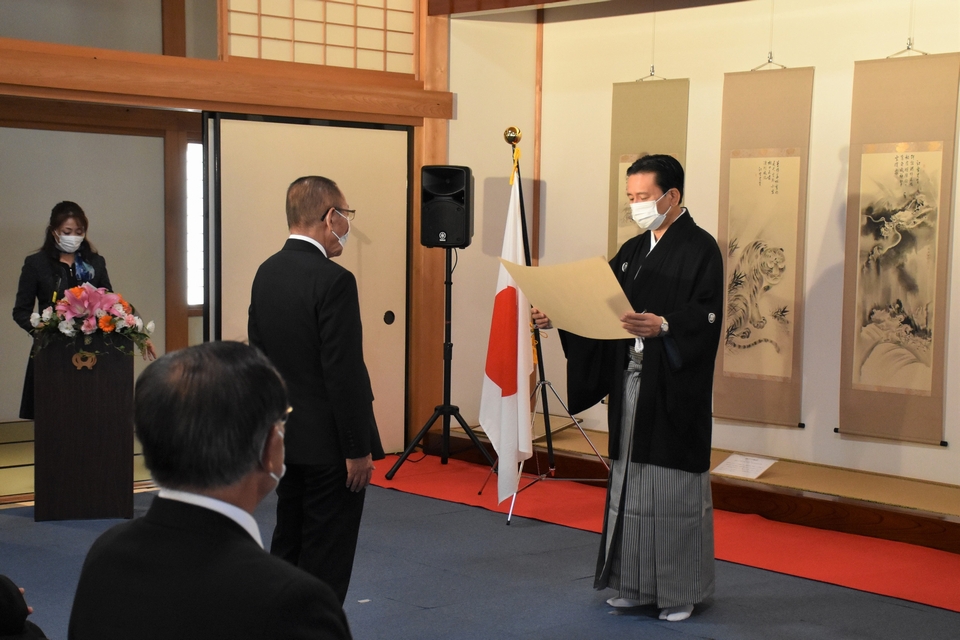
537, 134
175, 239
60, 115
450, 7
174, 21
425, 291
609, 7
84, 74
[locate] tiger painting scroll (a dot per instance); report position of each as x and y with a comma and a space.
761, 265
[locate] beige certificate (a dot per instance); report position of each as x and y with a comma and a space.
581, 297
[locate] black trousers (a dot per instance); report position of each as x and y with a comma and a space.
318, 520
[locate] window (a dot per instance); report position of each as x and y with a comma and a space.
194, 224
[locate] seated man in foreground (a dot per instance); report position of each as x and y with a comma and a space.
211, 420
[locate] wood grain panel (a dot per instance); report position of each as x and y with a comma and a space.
34, 113
83, 458
251, 86
175, 239
835, 514
174, 21
609, 7
450, 7
426, 270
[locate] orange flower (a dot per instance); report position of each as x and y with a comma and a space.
76, 291
105, 323
126, 305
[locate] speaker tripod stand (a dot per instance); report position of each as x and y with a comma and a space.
445, 410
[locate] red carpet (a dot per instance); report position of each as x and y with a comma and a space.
887, 568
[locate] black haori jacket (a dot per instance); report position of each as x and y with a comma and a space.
681, 280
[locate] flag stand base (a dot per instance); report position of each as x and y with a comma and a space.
446, 410
539, 476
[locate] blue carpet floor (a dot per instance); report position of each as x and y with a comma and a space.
428, 569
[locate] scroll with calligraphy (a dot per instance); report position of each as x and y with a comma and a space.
896, 266
763, 176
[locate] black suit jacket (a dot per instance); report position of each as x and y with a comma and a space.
185, 572
42, 275
305, 316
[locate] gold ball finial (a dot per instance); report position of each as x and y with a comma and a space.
512, 135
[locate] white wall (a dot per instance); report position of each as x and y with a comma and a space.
493, 67
118, 181
584, 56
127, 25
201, 28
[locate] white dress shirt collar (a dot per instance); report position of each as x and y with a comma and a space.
294, 236
235, 513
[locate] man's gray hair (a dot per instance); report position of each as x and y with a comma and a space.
203, 414
308, 200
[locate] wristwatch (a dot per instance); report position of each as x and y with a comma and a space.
664, 327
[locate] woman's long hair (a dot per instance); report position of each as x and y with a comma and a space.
61, 212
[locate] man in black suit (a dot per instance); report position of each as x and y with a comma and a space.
305, 315
211, 422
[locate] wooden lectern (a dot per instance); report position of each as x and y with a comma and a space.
83, 432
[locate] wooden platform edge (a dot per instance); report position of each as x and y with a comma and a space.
791, 506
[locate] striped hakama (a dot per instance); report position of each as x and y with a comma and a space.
658, 533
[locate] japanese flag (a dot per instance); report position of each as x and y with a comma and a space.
505, 414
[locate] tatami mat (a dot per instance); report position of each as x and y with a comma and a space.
16, 459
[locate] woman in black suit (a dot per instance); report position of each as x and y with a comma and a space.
66, 259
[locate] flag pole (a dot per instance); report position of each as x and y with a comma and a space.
512, 136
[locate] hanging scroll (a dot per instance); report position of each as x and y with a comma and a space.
764, 141
648, 117
897, 255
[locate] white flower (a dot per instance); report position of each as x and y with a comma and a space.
47, 314
150, 327
99, 313
118, 310
120, 323
66, 328
34, 320
139, 323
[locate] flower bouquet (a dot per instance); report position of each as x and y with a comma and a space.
85, 312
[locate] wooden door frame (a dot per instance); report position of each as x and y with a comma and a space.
60, 87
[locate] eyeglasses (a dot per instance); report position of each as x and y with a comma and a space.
349, 214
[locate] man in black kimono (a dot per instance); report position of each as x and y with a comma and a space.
657, 544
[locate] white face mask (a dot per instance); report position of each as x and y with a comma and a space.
342, 239
283, 471
69, 244
283, 468
646, 216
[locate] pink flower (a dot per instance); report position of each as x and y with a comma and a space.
85, 301
73, 304
89, 325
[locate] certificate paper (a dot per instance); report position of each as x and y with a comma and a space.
581, 297
740, 466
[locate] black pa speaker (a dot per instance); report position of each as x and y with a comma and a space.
446, 206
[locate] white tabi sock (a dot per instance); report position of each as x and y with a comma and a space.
623, 603
676, 614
